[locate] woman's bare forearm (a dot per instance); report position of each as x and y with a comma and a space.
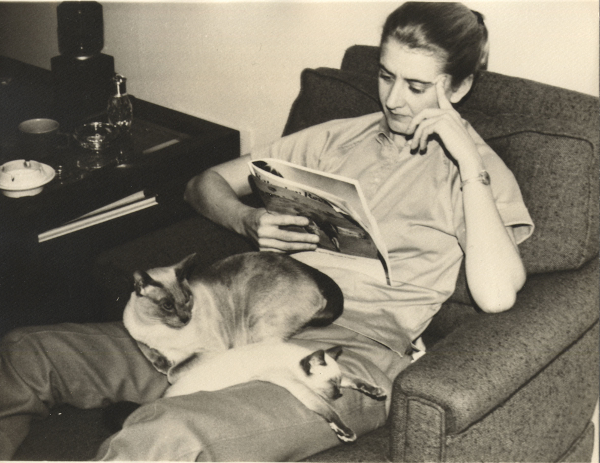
213, 197
495, 272
215, 194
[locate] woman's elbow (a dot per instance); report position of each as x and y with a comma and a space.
498, 303
189, 190
500, 297
192, 188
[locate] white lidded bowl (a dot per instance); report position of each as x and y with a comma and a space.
24, 178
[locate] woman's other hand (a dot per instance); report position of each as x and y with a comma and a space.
269, 232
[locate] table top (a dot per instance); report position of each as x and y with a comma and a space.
164, 149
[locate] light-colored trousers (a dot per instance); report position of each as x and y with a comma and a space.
90, 365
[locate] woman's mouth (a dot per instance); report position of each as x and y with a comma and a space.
399, 117
398, 122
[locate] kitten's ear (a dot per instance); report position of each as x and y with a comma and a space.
316, 358
334, 352
184, 268
140, 281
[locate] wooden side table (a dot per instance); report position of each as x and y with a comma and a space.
50, 281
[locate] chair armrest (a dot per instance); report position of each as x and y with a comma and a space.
483, 362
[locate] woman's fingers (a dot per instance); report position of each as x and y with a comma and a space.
447, 124
443, 101
444, 107
433, 122
421, 135
284, 246
272, 233
274, 226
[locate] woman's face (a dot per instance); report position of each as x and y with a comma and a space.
407, 79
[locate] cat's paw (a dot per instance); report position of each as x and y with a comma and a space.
375, 392
178, 370
158, 360
343, 432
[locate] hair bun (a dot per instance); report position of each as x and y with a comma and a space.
479, 17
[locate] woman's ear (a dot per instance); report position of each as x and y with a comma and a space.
462, 90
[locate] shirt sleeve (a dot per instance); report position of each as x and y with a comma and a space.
505, 190
303, 148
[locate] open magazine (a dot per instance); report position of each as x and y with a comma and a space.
336, 208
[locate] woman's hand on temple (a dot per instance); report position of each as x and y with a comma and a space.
448, 125
266, 231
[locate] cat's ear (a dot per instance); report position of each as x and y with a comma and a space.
140, 281
184, 268
334, 352
316, 358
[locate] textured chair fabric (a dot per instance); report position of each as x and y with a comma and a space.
515, 386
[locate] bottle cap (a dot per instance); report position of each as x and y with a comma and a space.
121, 84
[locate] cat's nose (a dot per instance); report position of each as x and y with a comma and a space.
336, 394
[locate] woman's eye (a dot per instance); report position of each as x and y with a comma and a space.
385, 77
417, 91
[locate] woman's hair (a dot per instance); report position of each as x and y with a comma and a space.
450, 30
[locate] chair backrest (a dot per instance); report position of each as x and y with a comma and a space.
548, 137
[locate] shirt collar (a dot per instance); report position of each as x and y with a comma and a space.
386, 137
384, 132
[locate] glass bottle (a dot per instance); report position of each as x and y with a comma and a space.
120, 110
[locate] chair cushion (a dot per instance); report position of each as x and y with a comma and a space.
555, 160
555, 163
327, 94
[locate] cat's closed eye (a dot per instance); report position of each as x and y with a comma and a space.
167, 306
336, 390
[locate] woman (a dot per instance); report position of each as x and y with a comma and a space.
425, 173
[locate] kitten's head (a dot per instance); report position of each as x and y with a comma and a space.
164, 293
323, 373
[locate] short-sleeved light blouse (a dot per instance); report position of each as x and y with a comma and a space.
417, 202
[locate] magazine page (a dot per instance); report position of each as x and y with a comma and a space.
342, 230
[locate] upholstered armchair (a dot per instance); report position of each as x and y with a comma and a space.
515, 386
520, 385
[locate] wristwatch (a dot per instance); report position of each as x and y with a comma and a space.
483, 177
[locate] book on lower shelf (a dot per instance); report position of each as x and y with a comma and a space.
133, 203
336, 208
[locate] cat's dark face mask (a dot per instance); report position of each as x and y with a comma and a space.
169, 302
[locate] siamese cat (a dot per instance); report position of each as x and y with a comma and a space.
314, 378
179, 312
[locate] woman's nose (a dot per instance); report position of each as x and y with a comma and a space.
396, 98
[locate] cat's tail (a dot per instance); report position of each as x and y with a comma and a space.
332, 293
115, 414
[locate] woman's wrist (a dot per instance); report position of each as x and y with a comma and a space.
248, 221
483, 178
470, 167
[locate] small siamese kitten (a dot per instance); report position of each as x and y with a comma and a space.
314, 378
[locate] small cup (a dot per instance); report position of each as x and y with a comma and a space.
38, 138
95, 138
95, 135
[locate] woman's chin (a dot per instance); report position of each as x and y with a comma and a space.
401, 128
